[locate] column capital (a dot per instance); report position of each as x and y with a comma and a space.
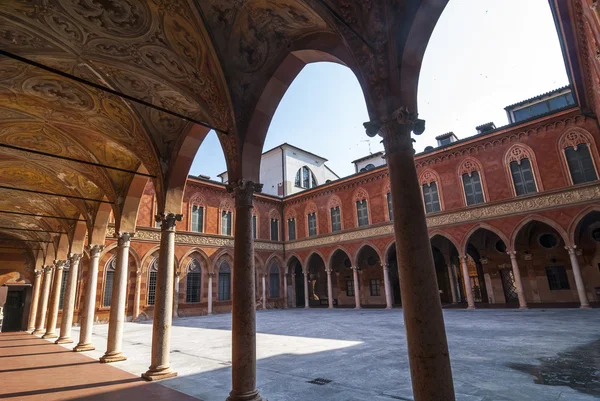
138, 273
123, 238
571, 249
60, 264
95, 250
305, 273
38, 272
48, 269
396, 129
177, 273
328, 271
512, 254
243, 191
211, 274
386, 266
168, 221
462, 258
75, 258
355, 268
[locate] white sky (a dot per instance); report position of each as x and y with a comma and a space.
483, 56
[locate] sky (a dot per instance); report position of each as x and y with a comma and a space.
483, 56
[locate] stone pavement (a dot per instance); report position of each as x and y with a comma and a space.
497, 355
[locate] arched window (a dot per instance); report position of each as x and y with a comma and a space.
305, 178
224, 290
274, 281
197, 219
431, 195
580, 164
522, 175
152, 281
470, 173
109, 277
193, 282
362, 213
312, 224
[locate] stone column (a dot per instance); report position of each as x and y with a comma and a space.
40, 324
518, 281
583, 299
467, 282
210, 293
294, 290
306, 299
356, 288
160, 367
136, 294
243, 347
69, 300
452, 283
264, 291
89, 307
285, 291
35, 300
54, 299
118, 300
176, 294
425, 334
386, 286
329, 288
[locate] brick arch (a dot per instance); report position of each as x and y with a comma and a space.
289, 259
518, 152
446, 236
561, 231
361, 247
274, 259
224, 255
148, 256
314, 252
290, 213
187, 258
338, 248
572, 229
132, 253
388, 248
469, 165
573, 137
260, 266
463, 246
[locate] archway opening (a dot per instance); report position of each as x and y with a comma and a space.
340, 265
317, 281
371, 281
447, 268
296, 296
394, 275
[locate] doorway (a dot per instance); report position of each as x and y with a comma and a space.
299, 286
13, 310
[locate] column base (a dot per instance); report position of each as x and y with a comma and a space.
523, 307
38, 332
249, 396
112, 357
49, 335
585, 307
64, 340
357, 307
159, 374
388, 308
84, 347
471, 308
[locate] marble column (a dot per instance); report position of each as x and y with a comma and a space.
386, 286
89, 299
356, 288
518, 281
210, 293
69, 300
54, 299
35, 299
285, 291
160, 367
294, 297
423, 318
243, 324
583, 299
176, 294
467, 282
136, 294
118, 300
264, 291
306, 299
40, 324
452, 283
329, 288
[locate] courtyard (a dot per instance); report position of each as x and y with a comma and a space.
497, 355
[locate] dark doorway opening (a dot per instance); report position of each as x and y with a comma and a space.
13, 310
394, 276
299, 286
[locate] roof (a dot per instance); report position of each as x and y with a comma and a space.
376, 154
285, 144
538, 97
486, 125
446, 135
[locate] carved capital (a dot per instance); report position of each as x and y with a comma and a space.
243, 191
168, 221
138, 273
75, 258
38, 272
328, 271
123, 239
386, 266
571, 249
48, 269
60, 264
355, 268
211, 275
396, 130
512, 254
95, 250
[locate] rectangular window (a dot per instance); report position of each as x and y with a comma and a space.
580, 164
336, 220
312, 224
225, 223
197, 218
274, 230
389, 203
375, 287
192, 293
473, 189
350, 288
108, 285
224, 286
557, 278
254, 229
292, 229
305, 177
63, 287
274, 284
431, 198
522, 175
362, 212
152, 288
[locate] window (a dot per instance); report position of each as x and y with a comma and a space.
431, 198
225, 223
274, 282
580, 164
63, 287
389, 203
554, 104
254, 228
305, 178
152, 282
336, 221
350, 288
197, 218
193, 282
375, 287
473, 189
292, 229
557, 278
312, 224
548, 241
224, 293
522, 176
109, 278
274, 230
362, 212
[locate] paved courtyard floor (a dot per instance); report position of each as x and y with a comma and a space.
497, 355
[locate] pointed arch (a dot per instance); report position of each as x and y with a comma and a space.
426, 179
561, 231
574, 137
517, 153
572, 229
484, 226
314, 252
360, 249
468, 166
332, 254
446, 236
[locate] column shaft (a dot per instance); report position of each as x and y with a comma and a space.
40, 324
54, 300
387, 287
118, 300
583, 299
467, 282
160, 367
452, 283
264, 291
285, 291
89, 307
35, 299
243, 324
210, 293
329, 288
356, 288
69, 300
518, 281
136, 294
306, 299
176, 295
